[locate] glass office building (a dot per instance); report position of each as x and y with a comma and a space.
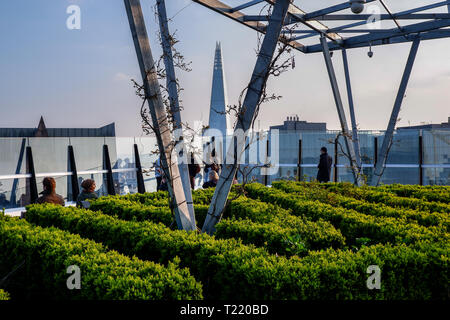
51, 158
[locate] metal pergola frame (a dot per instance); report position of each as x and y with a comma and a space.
432, 28
299, 25
284, 22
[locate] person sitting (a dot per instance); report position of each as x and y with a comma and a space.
163, 186
88, 192
213, 177
49, 194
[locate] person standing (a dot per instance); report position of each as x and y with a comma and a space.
49, 194
325, 163
158, 173
194, 169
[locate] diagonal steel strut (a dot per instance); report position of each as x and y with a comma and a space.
252, 97
158, 113
387, 140
340, 110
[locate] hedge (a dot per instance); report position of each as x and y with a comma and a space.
353, 225
313, 192
4, 295
104, 274
127, 209
230, 270
199, 196
390, 199
428, 193
262, 221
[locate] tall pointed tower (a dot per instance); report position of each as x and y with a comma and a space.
218, 119
41, 129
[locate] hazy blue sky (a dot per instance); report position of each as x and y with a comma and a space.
80, 78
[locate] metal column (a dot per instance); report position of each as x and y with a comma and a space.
266, 177
109, 174
336, 158
139, 176
421, 159
169, 162
340, 110
352, 111
172, 87
30, 170
387, 140
74, 176
252, 97
299, 161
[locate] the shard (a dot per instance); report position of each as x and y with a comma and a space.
218, 118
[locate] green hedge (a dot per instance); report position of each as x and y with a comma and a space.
200, 196
104, 274
4, 295
279, 233
230, 270
353, 225
389, 199
258, 222
314, 192
428, 193
127, 209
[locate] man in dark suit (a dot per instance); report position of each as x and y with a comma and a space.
324, 166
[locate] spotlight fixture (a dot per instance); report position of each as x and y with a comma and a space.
370, 53
357, 6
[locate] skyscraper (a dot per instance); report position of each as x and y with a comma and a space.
218, 118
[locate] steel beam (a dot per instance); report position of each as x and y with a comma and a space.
172, 87
251, 100
295, 14
365, 17
402, 13
158, 114
366, 39
387, 140
340, 110
326, 11
245, 5
352, 111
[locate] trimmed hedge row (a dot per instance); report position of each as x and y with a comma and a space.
127, 209
282, 226
4, 295
439, 194
390, 199
104, 274
352, 224
257, 222
230, 270
200, 196
309, 191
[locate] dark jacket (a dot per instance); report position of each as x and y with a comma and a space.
194, 168
209, 184
50, 197
84, 196
324, 168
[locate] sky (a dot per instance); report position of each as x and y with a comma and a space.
81, 78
